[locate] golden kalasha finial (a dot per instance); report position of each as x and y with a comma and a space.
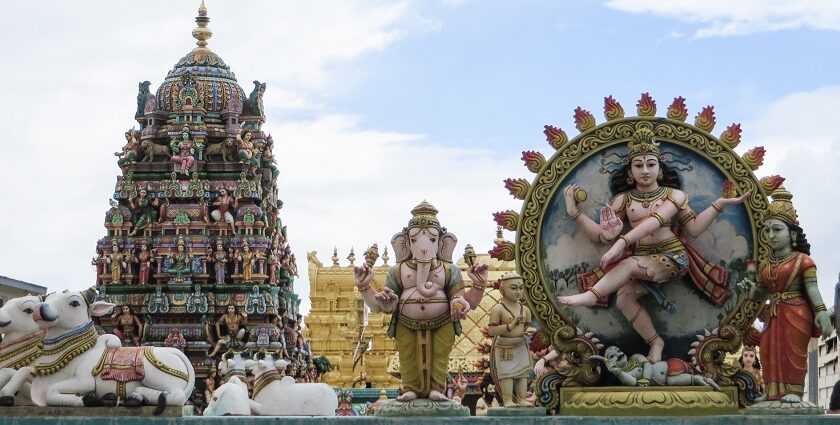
201, 32
469, 255
335, 257
371, 255
352, 257
385, 257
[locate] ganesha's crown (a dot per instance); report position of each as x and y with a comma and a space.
642, 143
424, 215
782, 206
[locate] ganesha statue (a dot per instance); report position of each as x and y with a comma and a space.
426, 295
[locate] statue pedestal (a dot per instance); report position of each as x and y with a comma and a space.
516, 411
421, 407
647, 401
89, 412
781, 408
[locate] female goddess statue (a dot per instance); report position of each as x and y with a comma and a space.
647, 193
796, 311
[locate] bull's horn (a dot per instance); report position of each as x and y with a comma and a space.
89, 295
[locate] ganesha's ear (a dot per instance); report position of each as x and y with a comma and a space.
400, 244
447, 246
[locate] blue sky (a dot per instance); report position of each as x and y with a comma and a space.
378, 105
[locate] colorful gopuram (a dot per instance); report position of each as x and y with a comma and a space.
196, 255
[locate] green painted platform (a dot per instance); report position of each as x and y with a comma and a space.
576, 420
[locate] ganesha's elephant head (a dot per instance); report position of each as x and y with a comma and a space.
424, 240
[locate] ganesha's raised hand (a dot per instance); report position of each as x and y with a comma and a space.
478, 274
387, 300
610, 223
364, 275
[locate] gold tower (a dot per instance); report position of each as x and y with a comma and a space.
336, 324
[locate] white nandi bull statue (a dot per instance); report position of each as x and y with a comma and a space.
231, 398
21, 346
76, 361
274, 396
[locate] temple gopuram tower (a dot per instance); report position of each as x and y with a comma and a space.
194, 225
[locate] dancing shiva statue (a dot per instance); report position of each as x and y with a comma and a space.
646, 193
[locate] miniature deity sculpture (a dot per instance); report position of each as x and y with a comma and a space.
144, 210
426, 295
796, 312
247, 152
487, 398
127, 326
647, 194
248, 259
183, 152
639, 371
219, 258
175, 339
116, 262
144, 260
225, 202
750, 364
234, 323
128, 153
180, 261
510, 321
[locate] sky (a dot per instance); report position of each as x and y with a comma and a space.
376, 106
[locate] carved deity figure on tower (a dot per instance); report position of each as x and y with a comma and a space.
427, 297
647, 194
183, 152
128, 153
180, 260
116, 263
144, 260
143, 209
510, 321
234, 323
225, 204
248, 259
127, 326
219, 258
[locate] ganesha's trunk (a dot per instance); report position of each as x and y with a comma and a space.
423, 273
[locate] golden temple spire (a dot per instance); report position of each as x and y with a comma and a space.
201, 32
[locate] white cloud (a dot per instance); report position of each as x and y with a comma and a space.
346, 186
803, 145
720, 18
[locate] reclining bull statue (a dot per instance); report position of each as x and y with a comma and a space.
276, 396
79, 368
21, 347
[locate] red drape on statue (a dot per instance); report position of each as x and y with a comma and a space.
789, 327
710, 279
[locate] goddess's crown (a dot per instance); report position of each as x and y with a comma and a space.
642, 143
782, 207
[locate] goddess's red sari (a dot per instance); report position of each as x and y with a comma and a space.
789, 325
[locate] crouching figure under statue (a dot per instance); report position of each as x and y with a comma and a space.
427, 297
